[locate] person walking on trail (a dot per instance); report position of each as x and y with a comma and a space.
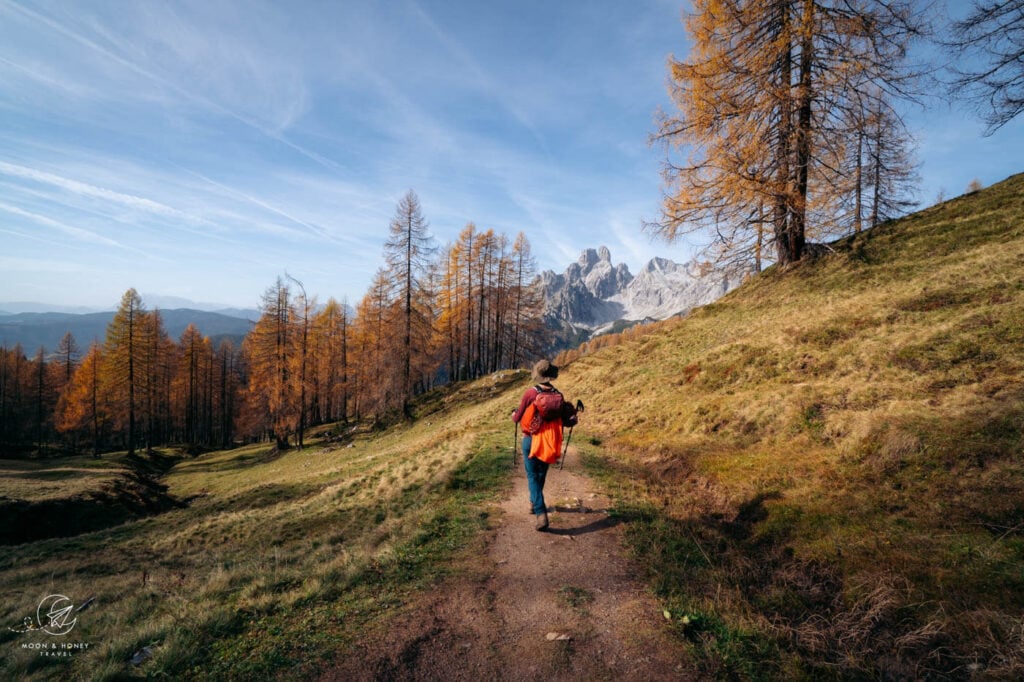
541, 414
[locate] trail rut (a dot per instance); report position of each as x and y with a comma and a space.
558, 605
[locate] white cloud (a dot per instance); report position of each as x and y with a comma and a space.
86, 189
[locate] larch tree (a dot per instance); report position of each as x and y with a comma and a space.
407, 253
332, 330
449, 311
157, 370
228, 386
425, 366
124, 357
467, 249
762, 102
377, 382
62, 368
44, 399
83, 407
7, 388
526, 302
269, 348
14, 392
988, 47
301, 315
483, 255
893, 178
66, 356
880, 170
190, 389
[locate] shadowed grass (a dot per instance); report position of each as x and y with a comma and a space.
821, 471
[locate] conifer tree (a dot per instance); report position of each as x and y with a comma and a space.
44, 399
332, 330
67, 356
157, 370
302, 311
407, 253
14, 391
763, 99
526, 302
194, 357
269, 348
467, 249
6, 389
226, 359
83, 406
377, 382
123, 353
893, 178
881, 173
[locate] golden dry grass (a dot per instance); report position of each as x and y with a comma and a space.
853, 421
278, 558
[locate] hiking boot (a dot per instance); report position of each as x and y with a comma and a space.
542, 521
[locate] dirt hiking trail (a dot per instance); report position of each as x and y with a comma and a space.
557, 605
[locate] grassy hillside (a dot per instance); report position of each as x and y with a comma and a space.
269, 562
820, 474
824, 469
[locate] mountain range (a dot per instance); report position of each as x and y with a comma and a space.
594, 295
591, 297
35, 330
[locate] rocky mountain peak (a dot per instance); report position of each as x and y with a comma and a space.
593, 292
658, 264
591, 257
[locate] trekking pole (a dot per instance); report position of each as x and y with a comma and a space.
561, 461
515, 443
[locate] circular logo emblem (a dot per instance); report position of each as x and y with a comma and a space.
54, 615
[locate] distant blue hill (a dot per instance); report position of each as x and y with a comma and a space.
33, 330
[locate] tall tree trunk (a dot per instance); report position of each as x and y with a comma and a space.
782, 208
798, 225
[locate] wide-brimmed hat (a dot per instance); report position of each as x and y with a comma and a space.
544, 371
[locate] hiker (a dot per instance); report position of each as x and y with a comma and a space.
542, 433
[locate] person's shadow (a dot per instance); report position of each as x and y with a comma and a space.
605, 521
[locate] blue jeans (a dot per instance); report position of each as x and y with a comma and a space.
536, 472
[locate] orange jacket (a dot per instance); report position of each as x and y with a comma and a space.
547, 443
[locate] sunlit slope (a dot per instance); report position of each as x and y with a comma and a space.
274, 561
852, 422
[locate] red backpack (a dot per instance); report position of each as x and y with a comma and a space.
547, 406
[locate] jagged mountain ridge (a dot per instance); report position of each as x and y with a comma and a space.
593, 293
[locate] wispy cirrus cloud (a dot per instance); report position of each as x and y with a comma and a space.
69, 230
139, 56
43, 76
86, 189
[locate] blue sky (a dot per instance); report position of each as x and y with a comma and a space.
201, 149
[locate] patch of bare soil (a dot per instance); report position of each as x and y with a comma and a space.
557, 605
